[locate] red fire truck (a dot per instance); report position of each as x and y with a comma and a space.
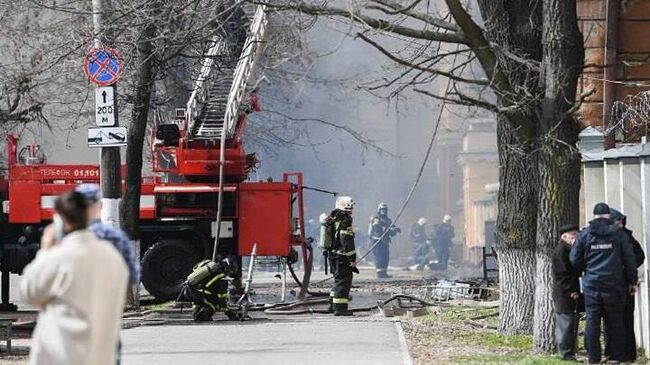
196, 164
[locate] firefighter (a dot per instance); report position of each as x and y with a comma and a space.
420, 245
381, 231
443, 239
342, 254
207, 288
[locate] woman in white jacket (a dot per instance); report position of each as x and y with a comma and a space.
79, 283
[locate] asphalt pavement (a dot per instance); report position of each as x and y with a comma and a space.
314, 341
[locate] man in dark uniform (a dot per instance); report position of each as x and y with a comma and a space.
343, 254
566, 293
443, 239
381, 231
418, 237
630, 337
602, 252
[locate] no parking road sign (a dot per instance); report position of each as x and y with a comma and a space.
103, 66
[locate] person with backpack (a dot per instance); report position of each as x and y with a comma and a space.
207, 288
605, 257
337, 238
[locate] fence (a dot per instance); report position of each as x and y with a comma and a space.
621, 178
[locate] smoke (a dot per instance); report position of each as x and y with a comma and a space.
334, 160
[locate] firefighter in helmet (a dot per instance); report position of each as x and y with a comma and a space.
207, 288
381, 230
342, 254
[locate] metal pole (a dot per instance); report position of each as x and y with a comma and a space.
110, 167
110, 159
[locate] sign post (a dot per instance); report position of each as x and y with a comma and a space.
103, 66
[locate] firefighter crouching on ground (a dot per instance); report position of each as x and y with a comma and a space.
207, 288
339, 236
381, 230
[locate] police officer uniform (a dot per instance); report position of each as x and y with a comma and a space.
381, 233
604, 255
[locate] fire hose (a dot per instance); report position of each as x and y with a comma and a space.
289, 308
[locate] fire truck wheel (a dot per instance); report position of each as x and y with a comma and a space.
165, 266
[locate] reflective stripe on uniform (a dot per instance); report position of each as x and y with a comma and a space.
349, 253
340, 301
218, 277
348, 231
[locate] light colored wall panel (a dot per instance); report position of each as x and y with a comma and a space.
593, 188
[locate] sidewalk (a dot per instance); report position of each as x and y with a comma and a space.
312, 340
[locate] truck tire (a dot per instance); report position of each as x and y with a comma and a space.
165, 266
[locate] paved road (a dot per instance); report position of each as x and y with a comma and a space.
314, 341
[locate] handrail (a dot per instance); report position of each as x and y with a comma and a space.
244, 69
199, 94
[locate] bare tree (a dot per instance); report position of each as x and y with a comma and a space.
530, 55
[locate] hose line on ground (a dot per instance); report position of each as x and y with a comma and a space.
289, 308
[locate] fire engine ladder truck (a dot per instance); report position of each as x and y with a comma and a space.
212, 113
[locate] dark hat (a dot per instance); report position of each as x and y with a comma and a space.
616, 215
568, 228
601, 208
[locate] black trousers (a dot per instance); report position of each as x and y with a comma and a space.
443, 257
566, 334
629, 349
342, 279
609, 307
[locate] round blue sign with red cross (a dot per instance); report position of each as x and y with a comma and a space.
103, 66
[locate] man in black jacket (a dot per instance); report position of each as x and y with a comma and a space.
566, 292
603, 253
628, 316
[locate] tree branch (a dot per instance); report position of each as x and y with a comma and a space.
480, 45
418, 66
461, 100
375, 23
396, 8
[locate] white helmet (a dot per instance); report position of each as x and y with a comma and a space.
344, 203
446, 218
382, 205
422, 221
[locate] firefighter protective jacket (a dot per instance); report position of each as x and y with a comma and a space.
343, 244
378, 226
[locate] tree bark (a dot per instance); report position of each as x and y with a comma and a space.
515, 28
145, 61
559, 164
516, 224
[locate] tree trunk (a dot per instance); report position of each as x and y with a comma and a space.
516, 223
558, 163
130, 205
